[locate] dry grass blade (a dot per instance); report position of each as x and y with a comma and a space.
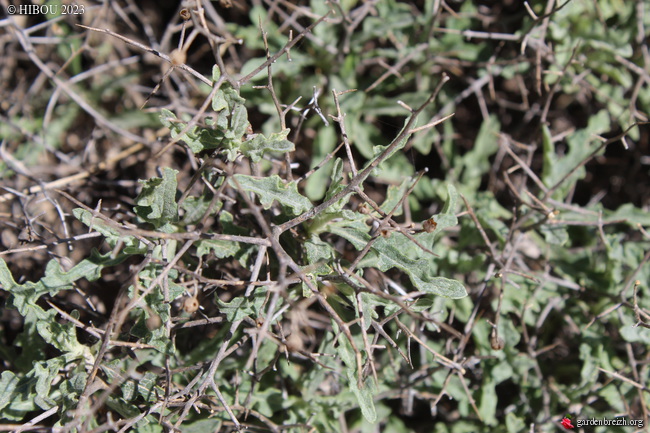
226, 286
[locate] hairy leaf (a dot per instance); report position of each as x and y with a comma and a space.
273, 188
156, 203
111, 234
258, 145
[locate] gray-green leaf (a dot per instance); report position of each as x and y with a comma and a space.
156, 204
258, 145
273, 188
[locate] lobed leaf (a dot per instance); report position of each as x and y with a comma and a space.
387, 253
258, 145
240, 308
156, 203
273, 188
112, 235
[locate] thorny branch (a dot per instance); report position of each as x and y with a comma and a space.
280, 270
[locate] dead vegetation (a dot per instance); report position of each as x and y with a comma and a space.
239, 312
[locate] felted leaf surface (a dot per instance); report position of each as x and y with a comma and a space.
8, 384
476, 162
258, 145
579, 148
388, 255
20, 395
273, 188
196, 207
316, 184
156, 203
365, 394
63, 336
336, 186
112, 235
226, 97
221, 249
555, 234
378, 150
192, 137
238, 123
241, 307
25, 295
